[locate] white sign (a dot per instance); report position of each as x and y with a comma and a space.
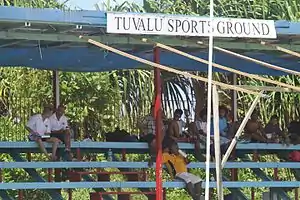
179, 25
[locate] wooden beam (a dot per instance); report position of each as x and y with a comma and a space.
166, 68
284, 85
267, 88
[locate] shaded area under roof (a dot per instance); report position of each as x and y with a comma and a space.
80, 59
48, 39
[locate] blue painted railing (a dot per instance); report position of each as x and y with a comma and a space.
69, 185
132, 165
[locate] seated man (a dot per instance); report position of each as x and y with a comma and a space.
175, 127
59, 127
254, 130
201, 122
147, 127
223, 125
39, 128
148, 132
177, 168
273, 131
294, 132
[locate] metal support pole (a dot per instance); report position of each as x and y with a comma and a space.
234, 110
20, 195
124, 155
234, 105
28, 157
239, 131
217, 143
158, 125
255, 159
1, 176
56, 91
209, 94
56, 97
70, 194
50, 171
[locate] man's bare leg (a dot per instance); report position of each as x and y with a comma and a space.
67, 139
198, 190
55, 144
190, 190
42, 147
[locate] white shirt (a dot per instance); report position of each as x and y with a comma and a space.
201, 125
58, 124
39, 126
181, 125
148, 124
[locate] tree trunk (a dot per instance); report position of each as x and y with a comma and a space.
199, 88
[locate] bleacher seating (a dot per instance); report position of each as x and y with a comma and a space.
81, 168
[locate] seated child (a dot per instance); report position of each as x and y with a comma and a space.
273, 131
176, 165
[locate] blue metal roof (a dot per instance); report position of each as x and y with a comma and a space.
48, 39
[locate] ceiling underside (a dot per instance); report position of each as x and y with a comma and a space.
49, 39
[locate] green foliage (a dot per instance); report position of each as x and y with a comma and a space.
100, 101
267, 9
34, 3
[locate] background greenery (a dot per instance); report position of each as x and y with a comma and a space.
98, 102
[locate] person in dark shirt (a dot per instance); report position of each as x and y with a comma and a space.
272, 130
254, 129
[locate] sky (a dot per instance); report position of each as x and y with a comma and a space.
90, 4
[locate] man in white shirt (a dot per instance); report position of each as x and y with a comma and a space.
59, 126
39, 130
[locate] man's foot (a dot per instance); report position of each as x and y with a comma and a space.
67, 156
53, 158
150, 163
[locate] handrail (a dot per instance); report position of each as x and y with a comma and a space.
141, 146
177, 184
133, 165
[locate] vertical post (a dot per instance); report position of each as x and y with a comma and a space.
28, 157
217, 143
70, 194
234, 110
209, 94
276, 174
1, 177
296, 194
20, 195
255, 159
234, 106
78, 154
158, 125
124, 155
56, 91
56, 97
49, 174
